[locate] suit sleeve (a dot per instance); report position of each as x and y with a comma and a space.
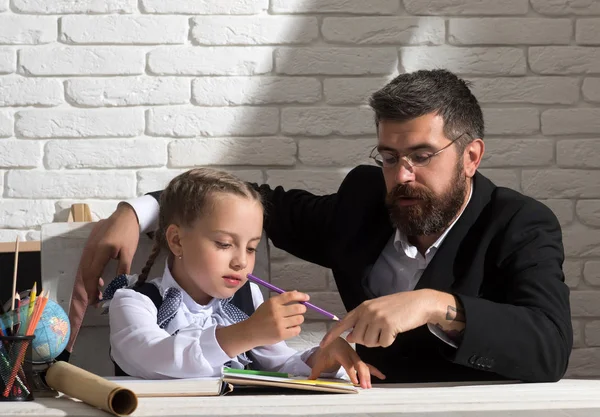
297, 221
300, 223
529, 335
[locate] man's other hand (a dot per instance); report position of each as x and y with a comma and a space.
114, 238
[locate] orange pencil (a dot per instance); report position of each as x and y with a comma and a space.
42, 300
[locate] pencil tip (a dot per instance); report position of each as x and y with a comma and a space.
336, 318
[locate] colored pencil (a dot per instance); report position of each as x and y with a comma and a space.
272, 287
32, 295
14, 287
38, 310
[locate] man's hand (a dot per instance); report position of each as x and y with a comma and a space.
377, 322
337, 353
114, 238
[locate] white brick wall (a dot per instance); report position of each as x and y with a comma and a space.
105, 100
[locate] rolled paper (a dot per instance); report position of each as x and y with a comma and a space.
91, 389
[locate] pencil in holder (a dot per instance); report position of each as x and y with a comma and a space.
15, 368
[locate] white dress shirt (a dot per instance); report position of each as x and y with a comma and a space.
187, 347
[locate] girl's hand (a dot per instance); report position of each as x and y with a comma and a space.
273, 321
337, 353
277, 319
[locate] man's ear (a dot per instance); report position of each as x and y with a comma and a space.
472, 157
173, 236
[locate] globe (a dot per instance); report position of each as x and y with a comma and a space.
51, 334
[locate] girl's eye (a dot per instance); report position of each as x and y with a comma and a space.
251, 250
222, 245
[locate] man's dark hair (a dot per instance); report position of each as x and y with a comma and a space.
439, 91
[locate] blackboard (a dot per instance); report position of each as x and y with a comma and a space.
30, 268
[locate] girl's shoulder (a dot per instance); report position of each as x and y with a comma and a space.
124, 287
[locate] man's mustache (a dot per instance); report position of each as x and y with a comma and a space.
405, 191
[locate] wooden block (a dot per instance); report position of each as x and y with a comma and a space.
80, 212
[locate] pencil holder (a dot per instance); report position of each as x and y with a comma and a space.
15, 368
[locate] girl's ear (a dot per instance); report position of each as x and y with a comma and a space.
173, 236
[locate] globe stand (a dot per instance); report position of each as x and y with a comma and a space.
38, 381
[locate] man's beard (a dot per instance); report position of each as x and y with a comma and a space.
433, 213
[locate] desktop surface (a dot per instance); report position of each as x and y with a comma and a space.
567, 398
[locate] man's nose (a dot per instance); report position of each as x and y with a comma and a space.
404, 172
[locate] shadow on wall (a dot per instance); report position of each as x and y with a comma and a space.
282, 91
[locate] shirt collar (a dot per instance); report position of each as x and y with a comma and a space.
168, 281
401, 241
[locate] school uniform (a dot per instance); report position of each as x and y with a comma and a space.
178, 339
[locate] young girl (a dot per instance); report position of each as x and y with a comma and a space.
202, 313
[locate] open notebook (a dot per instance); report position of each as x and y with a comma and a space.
211, 386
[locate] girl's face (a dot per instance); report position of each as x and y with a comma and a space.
219, 249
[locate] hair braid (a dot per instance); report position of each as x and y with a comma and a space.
156, 248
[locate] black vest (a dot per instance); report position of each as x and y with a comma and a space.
242, 299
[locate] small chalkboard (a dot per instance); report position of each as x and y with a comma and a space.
29, 271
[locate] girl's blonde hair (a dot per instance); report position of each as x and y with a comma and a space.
187, 198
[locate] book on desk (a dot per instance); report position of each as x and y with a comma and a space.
213, 386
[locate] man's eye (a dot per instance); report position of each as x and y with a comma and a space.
223, 245
389, 159
420, 158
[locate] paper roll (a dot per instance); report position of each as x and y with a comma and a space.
91, 389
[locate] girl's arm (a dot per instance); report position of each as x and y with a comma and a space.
144, 350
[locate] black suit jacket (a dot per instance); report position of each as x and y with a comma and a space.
502, 259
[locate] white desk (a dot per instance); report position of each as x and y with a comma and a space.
567, 398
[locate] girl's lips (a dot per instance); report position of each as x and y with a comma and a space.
237, 278
232, 281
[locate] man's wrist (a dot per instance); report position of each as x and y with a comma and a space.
447, 314
436, 305
127, 209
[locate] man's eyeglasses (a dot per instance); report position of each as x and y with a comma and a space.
388, 159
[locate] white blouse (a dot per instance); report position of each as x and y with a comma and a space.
187, 347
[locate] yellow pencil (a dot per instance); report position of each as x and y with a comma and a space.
32, 295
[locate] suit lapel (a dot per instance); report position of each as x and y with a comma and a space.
364, 250
382, 235
446, 265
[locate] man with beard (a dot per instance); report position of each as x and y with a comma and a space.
445, 275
